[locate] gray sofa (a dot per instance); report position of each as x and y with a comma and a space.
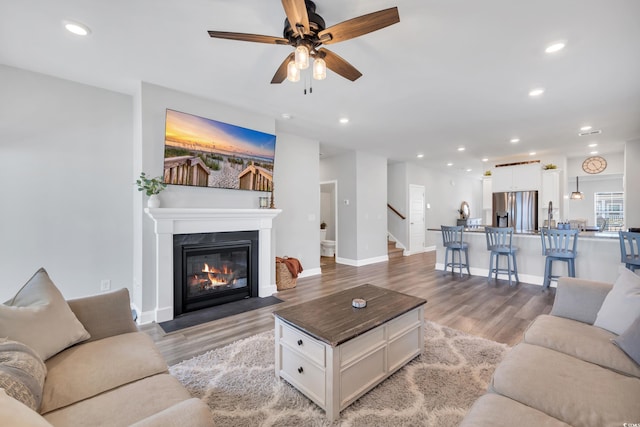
117, 377
565, 371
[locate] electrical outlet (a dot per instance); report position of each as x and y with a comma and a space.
105, 285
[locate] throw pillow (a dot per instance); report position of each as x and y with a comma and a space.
39, 317
15, 414
22, 373
629, 341
621, 305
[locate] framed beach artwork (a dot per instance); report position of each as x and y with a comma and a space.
203, 152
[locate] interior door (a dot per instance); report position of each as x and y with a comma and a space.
416, 218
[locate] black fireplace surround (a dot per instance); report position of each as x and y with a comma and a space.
213, 268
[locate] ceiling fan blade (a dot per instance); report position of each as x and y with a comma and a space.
338, 65
297, 15
359, 26
281, 74
248, 37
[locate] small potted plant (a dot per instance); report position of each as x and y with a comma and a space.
152, 187
550, 166
323, 225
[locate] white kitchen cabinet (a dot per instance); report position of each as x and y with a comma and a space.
516, 178
550, 189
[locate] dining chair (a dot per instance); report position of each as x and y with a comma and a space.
499, 242
558, 245
629, 250
452, 240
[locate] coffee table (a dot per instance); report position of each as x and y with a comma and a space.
334, 353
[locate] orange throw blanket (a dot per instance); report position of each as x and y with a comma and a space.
292, 264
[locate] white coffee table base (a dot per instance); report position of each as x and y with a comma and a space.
334, 377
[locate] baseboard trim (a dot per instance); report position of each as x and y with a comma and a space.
310, 272
362, 262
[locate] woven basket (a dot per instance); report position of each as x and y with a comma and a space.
284, 280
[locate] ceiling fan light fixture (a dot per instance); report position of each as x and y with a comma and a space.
319, 69
302, 57
293, 73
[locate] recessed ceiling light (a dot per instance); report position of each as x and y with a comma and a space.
532, 153
449, 164
344, 120
514, 140
594, 152
420, 156
585, 128
469, 170
485, 159
76, 28
461, 148
286, 116
593, 144
555, 47
536, 92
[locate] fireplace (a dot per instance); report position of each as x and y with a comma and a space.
214, 268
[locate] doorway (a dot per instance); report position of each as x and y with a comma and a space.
416, 218
329, 214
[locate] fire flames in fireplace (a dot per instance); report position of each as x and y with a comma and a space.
211, 277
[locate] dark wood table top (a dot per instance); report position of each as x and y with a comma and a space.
333, 320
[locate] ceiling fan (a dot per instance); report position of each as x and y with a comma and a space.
305, 30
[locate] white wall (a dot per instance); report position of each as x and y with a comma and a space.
341, 168
632, 183
371, 217
297, 193
445, 193
585, 208
66, 193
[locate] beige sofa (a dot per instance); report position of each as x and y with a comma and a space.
117, 377
565, 371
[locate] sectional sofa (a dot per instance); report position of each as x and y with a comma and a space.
577, 366
98, 369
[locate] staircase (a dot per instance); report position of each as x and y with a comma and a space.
392, 251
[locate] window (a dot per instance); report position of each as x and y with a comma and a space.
609, 210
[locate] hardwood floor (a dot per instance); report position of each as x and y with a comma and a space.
491, 310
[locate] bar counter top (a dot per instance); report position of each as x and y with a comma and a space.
598, 255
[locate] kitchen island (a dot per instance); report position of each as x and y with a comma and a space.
598, 255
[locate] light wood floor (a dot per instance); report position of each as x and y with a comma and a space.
491, 310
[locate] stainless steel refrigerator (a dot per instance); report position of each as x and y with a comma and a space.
517, 209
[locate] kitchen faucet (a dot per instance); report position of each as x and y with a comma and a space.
550, 214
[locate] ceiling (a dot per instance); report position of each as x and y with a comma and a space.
452, 73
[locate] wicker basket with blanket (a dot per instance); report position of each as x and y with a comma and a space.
287, 270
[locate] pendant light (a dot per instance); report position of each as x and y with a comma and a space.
577, 195
302, 57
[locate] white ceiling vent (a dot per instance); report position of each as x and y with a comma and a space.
590, 132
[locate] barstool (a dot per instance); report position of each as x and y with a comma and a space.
629, 250
558, 245
499, 241
452, 241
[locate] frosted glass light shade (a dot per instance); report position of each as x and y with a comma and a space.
302, 57
293, 73
319, 69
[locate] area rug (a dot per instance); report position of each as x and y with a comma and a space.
436, 389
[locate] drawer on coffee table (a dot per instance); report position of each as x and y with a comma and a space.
303, 344
403, 323
304, 375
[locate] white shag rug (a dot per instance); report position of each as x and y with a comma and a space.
238, 383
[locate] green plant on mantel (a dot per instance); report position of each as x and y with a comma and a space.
550, 166
150, 186
487, 173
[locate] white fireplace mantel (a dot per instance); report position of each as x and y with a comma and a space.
170, 221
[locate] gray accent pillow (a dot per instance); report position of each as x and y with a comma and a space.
629, 341
622, 305
22, 373
39, 317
